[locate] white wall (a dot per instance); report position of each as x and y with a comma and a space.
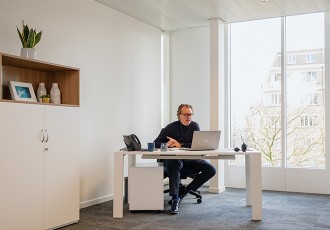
190, 73
119, 61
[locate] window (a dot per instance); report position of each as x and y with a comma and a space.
310, 57
309, 99
308, 120
291, 59
275, 99
308, 77
257, 118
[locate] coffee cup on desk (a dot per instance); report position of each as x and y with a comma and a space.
151, 146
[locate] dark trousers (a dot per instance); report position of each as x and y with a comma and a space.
174, 169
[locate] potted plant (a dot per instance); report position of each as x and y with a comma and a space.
29, 38
45, 98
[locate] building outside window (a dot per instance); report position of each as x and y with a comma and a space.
308, 76
310, 57
291, 59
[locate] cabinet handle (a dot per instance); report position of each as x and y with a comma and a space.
47, 136
43, 135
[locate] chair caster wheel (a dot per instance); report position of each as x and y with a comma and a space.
170, 202
199, 200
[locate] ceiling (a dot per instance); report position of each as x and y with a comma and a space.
169, 15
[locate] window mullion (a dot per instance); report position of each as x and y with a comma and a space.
284, 96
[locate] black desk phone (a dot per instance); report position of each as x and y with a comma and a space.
132, 142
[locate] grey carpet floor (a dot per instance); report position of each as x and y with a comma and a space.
281, 210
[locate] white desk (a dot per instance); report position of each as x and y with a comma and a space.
252, 171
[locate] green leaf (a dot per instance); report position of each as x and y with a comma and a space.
21, 37
31, 39
26, 31
38, 37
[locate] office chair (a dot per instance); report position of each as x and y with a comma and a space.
185, 173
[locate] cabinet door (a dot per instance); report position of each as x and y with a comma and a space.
21, 166
62, 166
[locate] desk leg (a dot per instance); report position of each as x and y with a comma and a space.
118, 208
253, 185
248, 180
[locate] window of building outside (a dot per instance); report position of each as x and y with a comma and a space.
291, 59
309, 99
308, 77
310, 57
256, 120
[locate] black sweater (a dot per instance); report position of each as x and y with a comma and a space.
176, 130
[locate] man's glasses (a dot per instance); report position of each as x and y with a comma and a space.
187, 114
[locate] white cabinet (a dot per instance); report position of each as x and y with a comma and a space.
39, 179
146, 187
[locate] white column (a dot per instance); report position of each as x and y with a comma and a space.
217, 75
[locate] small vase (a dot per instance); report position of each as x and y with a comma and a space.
55, 94
29, 53
41, 91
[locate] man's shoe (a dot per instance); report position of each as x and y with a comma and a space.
175, 207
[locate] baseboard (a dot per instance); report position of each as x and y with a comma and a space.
217, 190
100, 200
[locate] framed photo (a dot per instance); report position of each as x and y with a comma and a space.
21, 91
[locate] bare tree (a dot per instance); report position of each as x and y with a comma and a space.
263, 131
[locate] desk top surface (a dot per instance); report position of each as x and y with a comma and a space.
176, 152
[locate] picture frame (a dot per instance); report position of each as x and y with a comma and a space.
21, 91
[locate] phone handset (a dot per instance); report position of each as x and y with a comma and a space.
135, 142
132, 142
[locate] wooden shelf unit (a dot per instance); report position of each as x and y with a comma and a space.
14, 68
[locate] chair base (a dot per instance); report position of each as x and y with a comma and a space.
197, 195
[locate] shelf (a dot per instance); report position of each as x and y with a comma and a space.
14, 68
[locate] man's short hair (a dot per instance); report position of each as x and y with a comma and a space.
180, 108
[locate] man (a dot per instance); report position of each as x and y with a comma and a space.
179, 134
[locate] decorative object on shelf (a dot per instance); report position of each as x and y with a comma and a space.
55, 94
45, 98
21, 91
41, 91
29, 38
29, 53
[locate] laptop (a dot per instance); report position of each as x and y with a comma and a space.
204, 140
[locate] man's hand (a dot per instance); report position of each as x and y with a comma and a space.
173, 143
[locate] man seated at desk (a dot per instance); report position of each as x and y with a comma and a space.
179, 134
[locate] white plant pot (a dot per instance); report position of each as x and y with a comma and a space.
29, 53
